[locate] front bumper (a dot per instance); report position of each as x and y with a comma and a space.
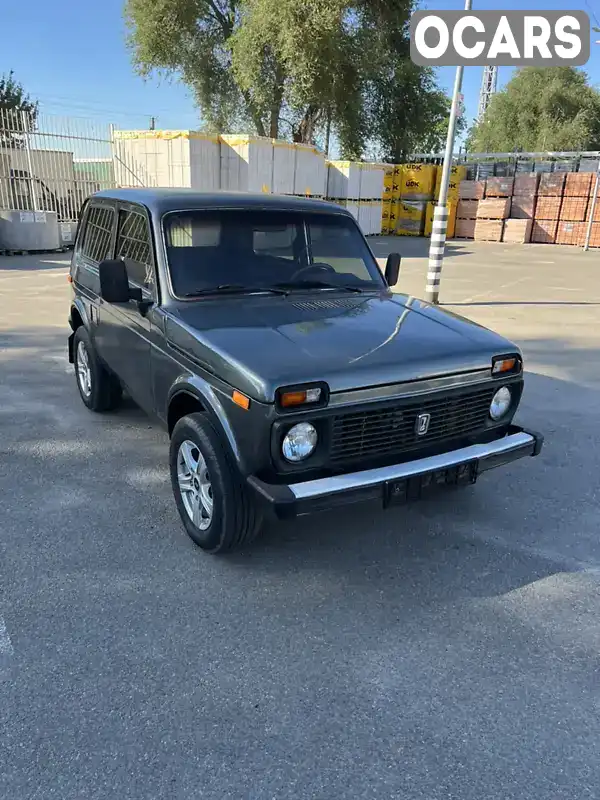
297, 499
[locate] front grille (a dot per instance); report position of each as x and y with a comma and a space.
392, 429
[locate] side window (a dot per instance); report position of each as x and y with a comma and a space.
97, 233
135, 248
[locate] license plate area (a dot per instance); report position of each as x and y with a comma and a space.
406, 490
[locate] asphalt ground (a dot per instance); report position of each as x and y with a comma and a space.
445, 650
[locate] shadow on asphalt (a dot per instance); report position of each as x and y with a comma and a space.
413, 247
400, 552
35, 262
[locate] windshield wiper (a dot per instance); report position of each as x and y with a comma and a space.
235, 288
318, 285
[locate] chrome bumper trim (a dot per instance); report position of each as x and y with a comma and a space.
372, 477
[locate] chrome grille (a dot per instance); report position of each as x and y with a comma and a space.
392, 429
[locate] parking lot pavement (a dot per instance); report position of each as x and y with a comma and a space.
447, 650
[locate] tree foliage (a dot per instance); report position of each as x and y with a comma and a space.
13, 102
541, 109
281, 68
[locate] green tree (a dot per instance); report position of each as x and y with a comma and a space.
17, 111
540, 109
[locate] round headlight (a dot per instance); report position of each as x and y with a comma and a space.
299, 442
500, 403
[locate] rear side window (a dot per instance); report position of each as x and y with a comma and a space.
97, 235
135, 248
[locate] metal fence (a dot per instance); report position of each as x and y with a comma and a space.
51, 163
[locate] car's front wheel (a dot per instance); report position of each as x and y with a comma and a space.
99, 390
215, 506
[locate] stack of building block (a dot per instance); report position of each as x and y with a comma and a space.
547, 209
574, 207
494, 209
417, 185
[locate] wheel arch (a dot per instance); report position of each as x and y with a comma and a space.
190, 396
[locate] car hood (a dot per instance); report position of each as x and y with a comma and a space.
259, 343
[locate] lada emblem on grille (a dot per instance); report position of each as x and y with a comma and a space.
422, 424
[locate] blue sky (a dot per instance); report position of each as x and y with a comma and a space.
72, 56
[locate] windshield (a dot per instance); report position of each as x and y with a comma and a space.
262, 249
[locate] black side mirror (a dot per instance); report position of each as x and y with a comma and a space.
392, 269
114, 286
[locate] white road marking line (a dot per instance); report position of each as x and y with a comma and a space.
6, 647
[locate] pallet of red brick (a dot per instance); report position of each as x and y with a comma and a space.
523, 206
595, 235
548, 207
596, 210
571, 233
552, 184
578, 184
517, 231
471, 190
526, 184
499, 187
573, 209
543, 231
465, 229
493, 208
489, 230
467, 209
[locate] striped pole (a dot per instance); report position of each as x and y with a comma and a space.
436, 252
440, 214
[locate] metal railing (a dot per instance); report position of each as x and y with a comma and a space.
51, 163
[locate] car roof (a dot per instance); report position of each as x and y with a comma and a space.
159, 201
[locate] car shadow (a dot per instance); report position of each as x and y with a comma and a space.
512, 529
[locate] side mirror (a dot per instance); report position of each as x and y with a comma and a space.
114, 286
392, 269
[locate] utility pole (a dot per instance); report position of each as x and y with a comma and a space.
440, 214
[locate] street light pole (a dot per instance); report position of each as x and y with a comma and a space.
440, 213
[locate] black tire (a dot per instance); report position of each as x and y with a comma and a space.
235, 518
104, 390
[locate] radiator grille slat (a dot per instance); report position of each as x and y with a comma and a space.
391, 430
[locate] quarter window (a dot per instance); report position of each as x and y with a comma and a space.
134, 247
97, 236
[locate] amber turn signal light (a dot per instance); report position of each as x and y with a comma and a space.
241, 400
289, 399
503, 365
